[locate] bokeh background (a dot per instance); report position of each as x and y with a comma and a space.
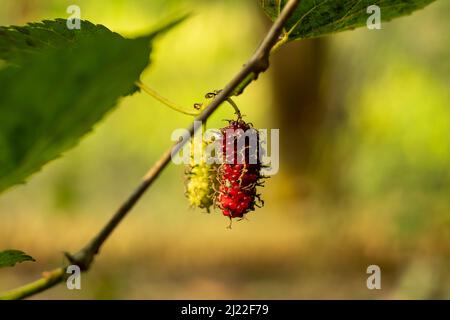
364, 178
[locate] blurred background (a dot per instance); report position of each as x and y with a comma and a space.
364, 177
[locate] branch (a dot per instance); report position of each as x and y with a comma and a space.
48, 280
257, 64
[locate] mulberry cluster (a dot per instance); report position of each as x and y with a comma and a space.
232, 185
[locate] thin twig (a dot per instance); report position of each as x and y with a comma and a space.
163, 100
48, 280
258, 63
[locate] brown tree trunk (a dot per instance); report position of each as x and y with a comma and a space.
300, 100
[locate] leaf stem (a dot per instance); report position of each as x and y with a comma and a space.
282, 40
163, 100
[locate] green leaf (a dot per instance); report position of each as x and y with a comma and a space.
17, 43
9, 258
58, 83
315, 18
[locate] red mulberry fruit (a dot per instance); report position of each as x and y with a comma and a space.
240, 174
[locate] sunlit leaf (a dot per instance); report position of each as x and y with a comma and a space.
315, 18
8, 258
58, 83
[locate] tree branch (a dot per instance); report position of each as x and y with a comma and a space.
257, 64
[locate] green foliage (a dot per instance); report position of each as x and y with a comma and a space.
8, 258
57, 84
396, 147
315, 18
17, 43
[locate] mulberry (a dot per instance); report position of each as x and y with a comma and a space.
240, 174
200, 181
